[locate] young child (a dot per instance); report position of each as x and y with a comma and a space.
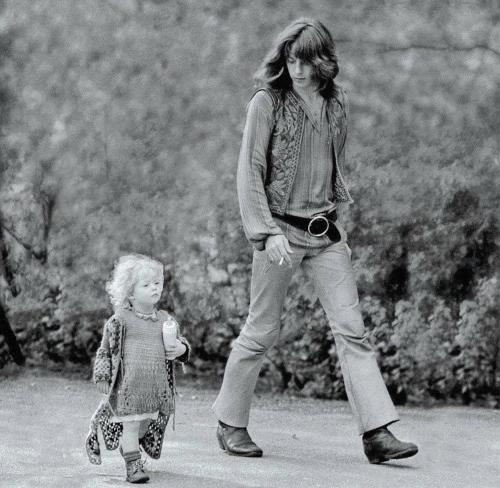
134, 368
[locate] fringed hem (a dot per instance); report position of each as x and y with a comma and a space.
135, 417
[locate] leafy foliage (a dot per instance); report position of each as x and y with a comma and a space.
121, 123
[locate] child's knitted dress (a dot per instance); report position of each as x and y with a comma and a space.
142, 386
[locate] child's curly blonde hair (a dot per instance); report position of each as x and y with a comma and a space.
125, 275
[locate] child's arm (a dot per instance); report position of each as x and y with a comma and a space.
184, 358
102, 363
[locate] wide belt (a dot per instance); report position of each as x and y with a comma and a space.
317, 226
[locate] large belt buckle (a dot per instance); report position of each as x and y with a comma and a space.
318, 226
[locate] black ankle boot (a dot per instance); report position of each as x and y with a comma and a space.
380, 445
236, 441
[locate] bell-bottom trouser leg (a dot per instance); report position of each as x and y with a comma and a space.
333, 277
335, 285
267, 294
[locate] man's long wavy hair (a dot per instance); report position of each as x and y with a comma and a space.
311, 42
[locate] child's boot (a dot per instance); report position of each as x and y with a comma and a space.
134, 464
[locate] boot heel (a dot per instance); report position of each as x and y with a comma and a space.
221, 442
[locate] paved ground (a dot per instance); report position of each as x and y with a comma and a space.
307, 443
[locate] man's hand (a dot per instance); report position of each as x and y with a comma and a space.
278, 249
102, 387
172, 352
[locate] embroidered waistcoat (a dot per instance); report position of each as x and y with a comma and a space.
285, 142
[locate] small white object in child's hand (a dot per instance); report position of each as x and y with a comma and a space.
169, 333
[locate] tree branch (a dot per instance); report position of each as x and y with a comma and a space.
125, 15
48, 202
383, 47
5, 268
10, 338
38, 254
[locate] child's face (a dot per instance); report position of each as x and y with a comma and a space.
148, 287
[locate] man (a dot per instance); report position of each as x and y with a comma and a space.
290, 186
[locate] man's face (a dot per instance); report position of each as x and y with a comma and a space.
301, 73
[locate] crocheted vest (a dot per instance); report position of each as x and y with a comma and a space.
284, 147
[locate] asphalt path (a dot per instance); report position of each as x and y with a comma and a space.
306, 443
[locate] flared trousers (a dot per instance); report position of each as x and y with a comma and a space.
330, 270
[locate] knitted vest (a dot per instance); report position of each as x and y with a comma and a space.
285, 142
